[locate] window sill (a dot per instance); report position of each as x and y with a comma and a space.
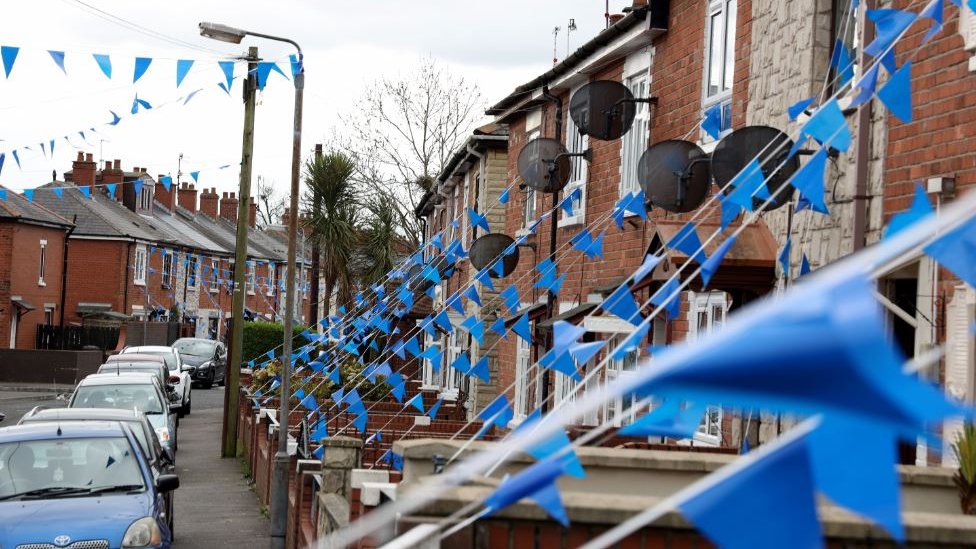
139, 282
570, 221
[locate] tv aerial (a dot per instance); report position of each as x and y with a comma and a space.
675, 175
491, 247
544, 164
605, 109
767, 145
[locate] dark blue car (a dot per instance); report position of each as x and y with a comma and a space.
80, 485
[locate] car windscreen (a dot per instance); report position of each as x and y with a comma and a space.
195, 348
68, 467
142, 397
135, 424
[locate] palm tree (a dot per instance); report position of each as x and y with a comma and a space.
333, 224
379, 238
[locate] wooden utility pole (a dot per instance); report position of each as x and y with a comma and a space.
234, 359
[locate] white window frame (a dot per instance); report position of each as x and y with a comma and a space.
621, 410
637, 78
575, 143
192, 271
271, 279
454, 344
167, 274
139, 313
523, 403
49, 315
251, 277
42, 263
708, 311
429, 380
140, 266
214, 275
146, 196
724, 95
530, 209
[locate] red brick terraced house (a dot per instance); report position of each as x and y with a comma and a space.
752, 59
32, 244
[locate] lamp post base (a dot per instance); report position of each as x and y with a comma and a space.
279, 500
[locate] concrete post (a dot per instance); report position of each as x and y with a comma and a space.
340, 455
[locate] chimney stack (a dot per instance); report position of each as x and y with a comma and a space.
83, 170
113, 174
252, 213
165, 197
228, 207
208, 202
188, 197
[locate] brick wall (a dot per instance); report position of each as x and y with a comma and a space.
98, 272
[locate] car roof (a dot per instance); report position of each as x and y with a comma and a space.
148, 349
135, 357
123, 378
87, 414
198, 339
43, 430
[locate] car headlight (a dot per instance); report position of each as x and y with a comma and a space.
142, 533
163, 434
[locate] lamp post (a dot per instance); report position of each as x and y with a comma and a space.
279, 486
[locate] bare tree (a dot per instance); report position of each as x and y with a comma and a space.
271, 206
404, 130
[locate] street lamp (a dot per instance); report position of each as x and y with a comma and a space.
279, 486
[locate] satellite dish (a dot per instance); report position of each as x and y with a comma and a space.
418, 283
487, 248
675, 175
739, 148
544, 165
603, 109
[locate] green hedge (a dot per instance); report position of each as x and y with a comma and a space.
261, 337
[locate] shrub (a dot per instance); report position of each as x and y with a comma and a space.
261, 337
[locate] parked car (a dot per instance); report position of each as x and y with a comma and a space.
131, 362
132, 391
87, 482
161, 460
176, 368
208, 358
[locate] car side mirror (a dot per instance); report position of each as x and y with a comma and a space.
186, 368
2, 417
167, 483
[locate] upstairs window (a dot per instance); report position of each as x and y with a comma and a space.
719, 61
167, 269
214, 276
634, 143
139, 266
271, 279
575, 143
191, 274
42, 264
251, 278
530, 211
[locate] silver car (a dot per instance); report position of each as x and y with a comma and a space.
130, 391
176, 369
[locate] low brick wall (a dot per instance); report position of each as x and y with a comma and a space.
46, 367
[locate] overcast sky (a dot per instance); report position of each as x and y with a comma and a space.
498, 44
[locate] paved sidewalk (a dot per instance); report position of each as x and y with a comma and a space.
215, 507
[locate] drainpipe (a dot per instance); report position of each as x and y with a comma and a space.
863, 153
64, 268
553, 227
